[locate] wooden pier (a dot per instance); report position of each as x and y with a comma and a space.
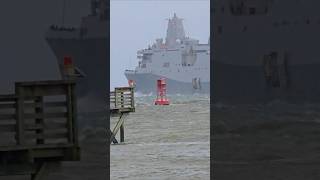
38, 128
121, 104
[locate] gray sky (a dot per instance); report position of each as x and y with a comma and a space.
24, 54
136, 24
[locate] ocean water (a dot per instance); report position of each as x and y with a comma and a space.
164, 142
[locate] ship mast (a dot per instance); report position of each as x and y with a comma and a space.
63, 11
99, 8
175, 30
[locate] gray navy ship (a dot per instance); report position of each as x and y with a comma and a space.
266, 50
87, 45
182, 61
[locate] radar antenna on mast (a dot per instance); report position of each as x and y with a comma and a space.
63, 11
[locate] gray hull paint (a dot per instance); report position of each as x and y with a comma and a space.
90, 56
146, 83
248, 84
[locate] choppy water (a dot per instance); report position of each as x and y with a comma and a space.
164, 142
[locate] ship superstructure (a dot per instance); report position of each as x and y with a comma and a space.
265, 50
87, 45
181, 60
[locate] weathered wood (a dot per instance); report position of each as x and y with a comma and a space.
45, 115
7, 106
44, 104
46, 126
8, 98
75, 114
57, 135
43, 169
56, 104
20, 122
40, 134
39, 121
69, 114
7, 128
7, 116
118, 126
122, 132
32, 147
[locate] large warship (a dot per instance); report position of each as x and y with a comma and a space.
87, 46
266, 50
182, 61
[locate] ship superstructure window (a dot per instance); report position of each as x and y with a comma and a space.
146, 57
308, 21
220, 29
252, 11
166, 64
243, 30
271, 69
249, 7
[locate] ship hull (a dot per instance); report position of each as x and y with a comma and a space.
146, 83
90, 56
234, 83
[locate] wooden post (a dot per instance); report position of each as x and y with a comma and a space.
70, 109
132, 98
116, 98
122, 132
20, 121
39, 121
74, 113
122, 99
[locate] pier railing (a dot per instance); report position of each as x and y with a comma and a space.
121, 104
122, 100
38, 114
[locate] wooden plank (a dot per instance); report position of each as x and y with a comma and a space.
75, 115
118, 125
60, 135
31, 105
123, 88
32, 147
20, 121
39, 121
132, 97
45, 115
8, 98
7, 128
46, 126
47, 153
45, 104
56, 104
41, 173
70, 114
7, 116
42, 91
17, 169
45, 83
7, 106
122, 132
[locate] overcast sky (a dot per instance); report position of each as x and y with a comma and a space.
136, 24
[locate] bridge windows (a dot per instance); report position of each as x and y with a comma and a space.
166, 64
252, 11
249, 7
220, 29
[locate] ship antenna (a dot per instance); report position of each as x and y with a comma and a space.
63, 11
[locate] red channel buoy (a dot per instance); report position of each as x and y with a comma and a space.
161, 93
68, 66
